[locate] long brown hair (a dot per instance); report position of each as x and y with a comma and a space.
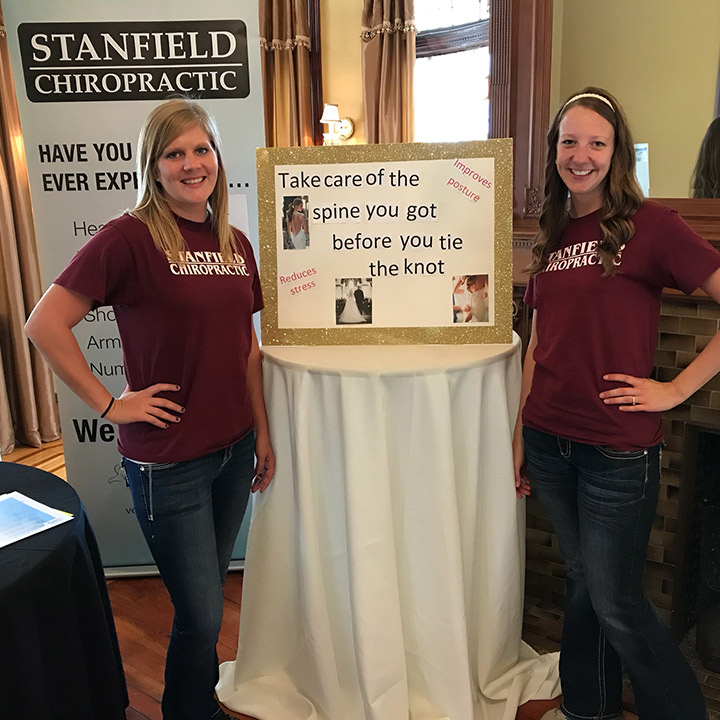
622, 196
161, 127
289, 214
706, 176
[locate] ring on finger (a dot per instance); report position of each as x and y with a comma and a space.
633, 399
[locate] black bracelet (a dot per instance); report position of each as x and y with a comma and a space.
107, 409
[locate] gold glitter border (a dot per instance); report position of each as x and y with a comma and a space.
500, 332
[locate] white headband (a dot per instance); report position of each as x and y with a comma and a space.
592, 95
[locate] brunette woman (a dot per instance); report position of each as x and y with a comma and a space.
589, 434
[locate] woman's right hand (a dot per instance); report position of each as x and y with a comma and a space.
143, 406
522, 481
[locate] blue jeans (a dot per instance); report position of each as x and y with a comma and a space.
602, 505
190, 513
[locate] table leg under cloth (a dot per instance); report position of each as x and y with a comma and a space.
385, 566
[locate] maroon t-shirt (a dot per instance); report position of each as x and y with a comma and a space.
187, 323
589, 325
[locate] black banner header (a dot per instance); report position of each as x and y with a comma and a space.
91, 62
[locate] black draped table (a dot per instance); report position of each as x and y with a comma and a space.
59, 655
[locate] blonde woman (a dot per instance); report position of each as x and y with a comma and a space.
184, 286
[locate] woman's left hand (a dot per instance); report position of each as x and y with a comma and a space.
265, 465
640, 394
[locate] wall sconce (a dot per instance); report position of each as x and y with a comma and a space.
338, 128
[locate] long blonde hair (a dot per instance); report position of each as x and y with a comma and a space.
161, 127
622, 196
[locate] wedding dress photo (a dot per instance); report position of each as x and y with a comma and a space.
351, 313
298, 234
479, 305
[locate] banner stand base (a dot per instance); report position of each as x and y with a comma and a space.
112, 573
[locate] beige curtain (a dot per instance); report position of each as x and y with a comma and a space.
388, 61
285, 43
28, 411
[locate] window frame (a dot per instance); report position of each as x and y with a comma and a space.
459, 38
315, 57
520, 37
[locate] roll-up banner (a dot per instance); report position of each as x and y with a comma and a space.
86, 76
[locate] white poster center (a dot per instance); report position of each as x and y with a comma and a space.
386, 244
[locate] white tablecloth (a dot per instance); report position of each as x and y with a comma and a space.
384, 570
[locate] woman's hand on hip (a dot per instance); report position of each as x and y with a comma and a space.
144, 406
265, 464
640, 394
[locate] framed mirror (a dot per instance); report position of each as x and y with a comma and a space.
659, 60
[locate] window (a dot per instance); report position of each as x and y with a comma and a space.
451, 70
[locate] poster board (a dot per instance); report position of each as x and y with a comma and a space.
386, 244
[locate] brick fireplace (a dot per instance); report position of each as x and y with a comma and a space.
686, 326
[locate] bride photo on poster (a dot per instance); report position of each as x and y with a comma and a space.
353, 301
294, 223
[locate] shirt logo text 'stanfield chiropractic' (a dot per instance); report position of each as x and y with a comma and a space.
90, 62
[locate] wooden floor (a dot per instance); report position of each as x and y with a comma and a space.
49, 457
143, 617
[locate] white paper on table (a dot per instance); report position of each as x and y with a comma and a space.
21, 516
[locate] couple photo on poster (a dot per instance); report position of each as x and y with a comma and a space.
294, 223
353, 301
470, 299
